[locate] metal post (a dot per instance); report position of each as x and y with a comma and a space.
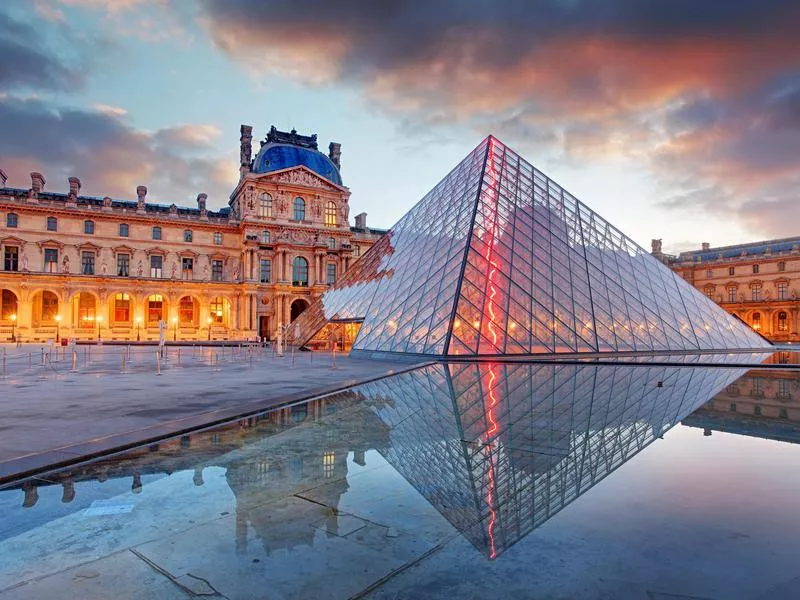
30, 359
74, 362
42, 356
179, 357
158, 362
293, 356
5, 372
123, 361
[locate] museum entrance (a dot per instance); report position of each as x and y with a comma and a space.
263, 328
343, 334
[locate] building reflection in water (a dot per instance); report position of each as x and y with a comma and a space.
497, 449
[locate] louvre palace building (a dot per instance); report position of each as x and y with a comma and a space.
112, 269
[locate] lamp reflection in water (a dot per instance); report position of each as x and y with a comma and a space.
13, 327
58, 323
174, 329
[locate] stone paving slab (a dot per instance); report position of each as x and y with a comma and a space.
51, 416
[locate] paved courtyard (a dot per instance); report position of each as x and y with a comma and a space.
51, 412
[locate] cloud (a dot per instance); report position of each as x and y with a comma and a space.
110, 110
110, 157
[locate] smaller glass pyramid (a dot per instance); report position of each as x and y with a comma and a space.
499, 260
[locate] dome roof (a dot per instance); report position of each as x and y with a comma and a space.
275, 156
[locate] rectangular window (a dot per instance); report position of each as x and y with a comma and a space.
122, 308
755, 268
88, 227
356, 250
218, 239
783, 291
187, 268
124, 230
123, 265
331, 273
266, 270
156, 233
756, 292
731, 270
731, 294
156, 266
332, 243
12, 220
52, 224
87, 263
50, 260
187, 235
265, 236
781, 267
11, 259
216, 270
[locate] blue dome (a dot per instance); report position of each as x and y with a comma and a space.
274, 157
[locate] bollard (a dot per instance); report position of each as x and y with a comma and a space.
5, 372
30, 359
333, 357
123, 362
293, 357
74, 362
179, 357
158, 362
42, 356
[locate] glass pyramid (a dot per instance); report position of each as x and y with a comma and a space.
499, 260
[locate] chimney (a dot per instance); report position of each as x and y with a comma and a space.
37, 182
141, 192
74, 187
201, 201
245, 149
3, 178
705, 246
335, 154
361, 221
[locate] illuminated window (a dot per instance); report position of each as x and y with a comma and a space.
156, 265
328, 463
155, 309
755, 268
8, 305
87, 263
217, 310
88, 227
156, 233
783, 290
187, 235
123, 265
755, 291
266, 205
49, 306
709, 290
124, 230
86, 310
52, 224
331, 273
330, 213
218, 238
781, 267
12, 220
186, 310
122, 308
757, 321
299, 209
300, 271
783, 321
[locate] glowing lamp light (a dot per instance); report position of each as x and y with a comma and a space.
58, 317
476, 324
456, 323
99, 318
174, 319
13, 317
209, 320
219, 313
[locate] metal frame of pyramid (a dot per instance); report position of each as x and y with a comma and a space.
498, 260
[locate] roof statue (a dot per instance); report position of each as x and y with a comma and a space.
499, 260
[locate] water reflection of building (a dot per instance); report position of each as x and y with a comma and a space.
267, 457
762, 404
498, 449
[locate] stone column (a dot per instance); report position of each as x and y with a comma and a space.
253, 312
287, 266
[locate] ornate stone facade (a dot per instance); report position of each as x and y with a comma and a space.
85, 267
759, 282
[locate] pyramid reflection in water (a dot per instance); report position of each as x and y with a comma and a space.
498, 449
500, 260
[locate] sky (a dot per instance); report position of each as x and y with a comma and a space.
672, 119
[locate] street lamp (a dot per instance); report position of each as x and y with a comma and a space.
13, 325
99, 320
209, 329
58, 322
138, 324
174, 329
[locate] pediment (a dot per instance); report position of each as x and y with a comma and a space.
13, 241
300, 176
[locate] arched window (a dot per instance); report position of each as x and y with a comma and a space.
217, 310
299, 209
757, 321
155, 309
783, 321
265, 236
187, 312
86, 310
8, 305
122, 308
330, 213
12, 220
49, 306
300, 271
266, 205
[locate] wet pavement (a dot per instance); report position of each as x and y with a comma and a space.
464, 480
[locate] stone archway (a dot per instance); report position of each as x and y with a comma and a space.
297, 308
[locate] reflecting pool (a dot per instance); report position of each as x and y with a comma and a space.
453, 480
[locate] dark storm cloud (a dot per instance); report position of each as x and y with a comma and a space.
26, 62
109, 156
